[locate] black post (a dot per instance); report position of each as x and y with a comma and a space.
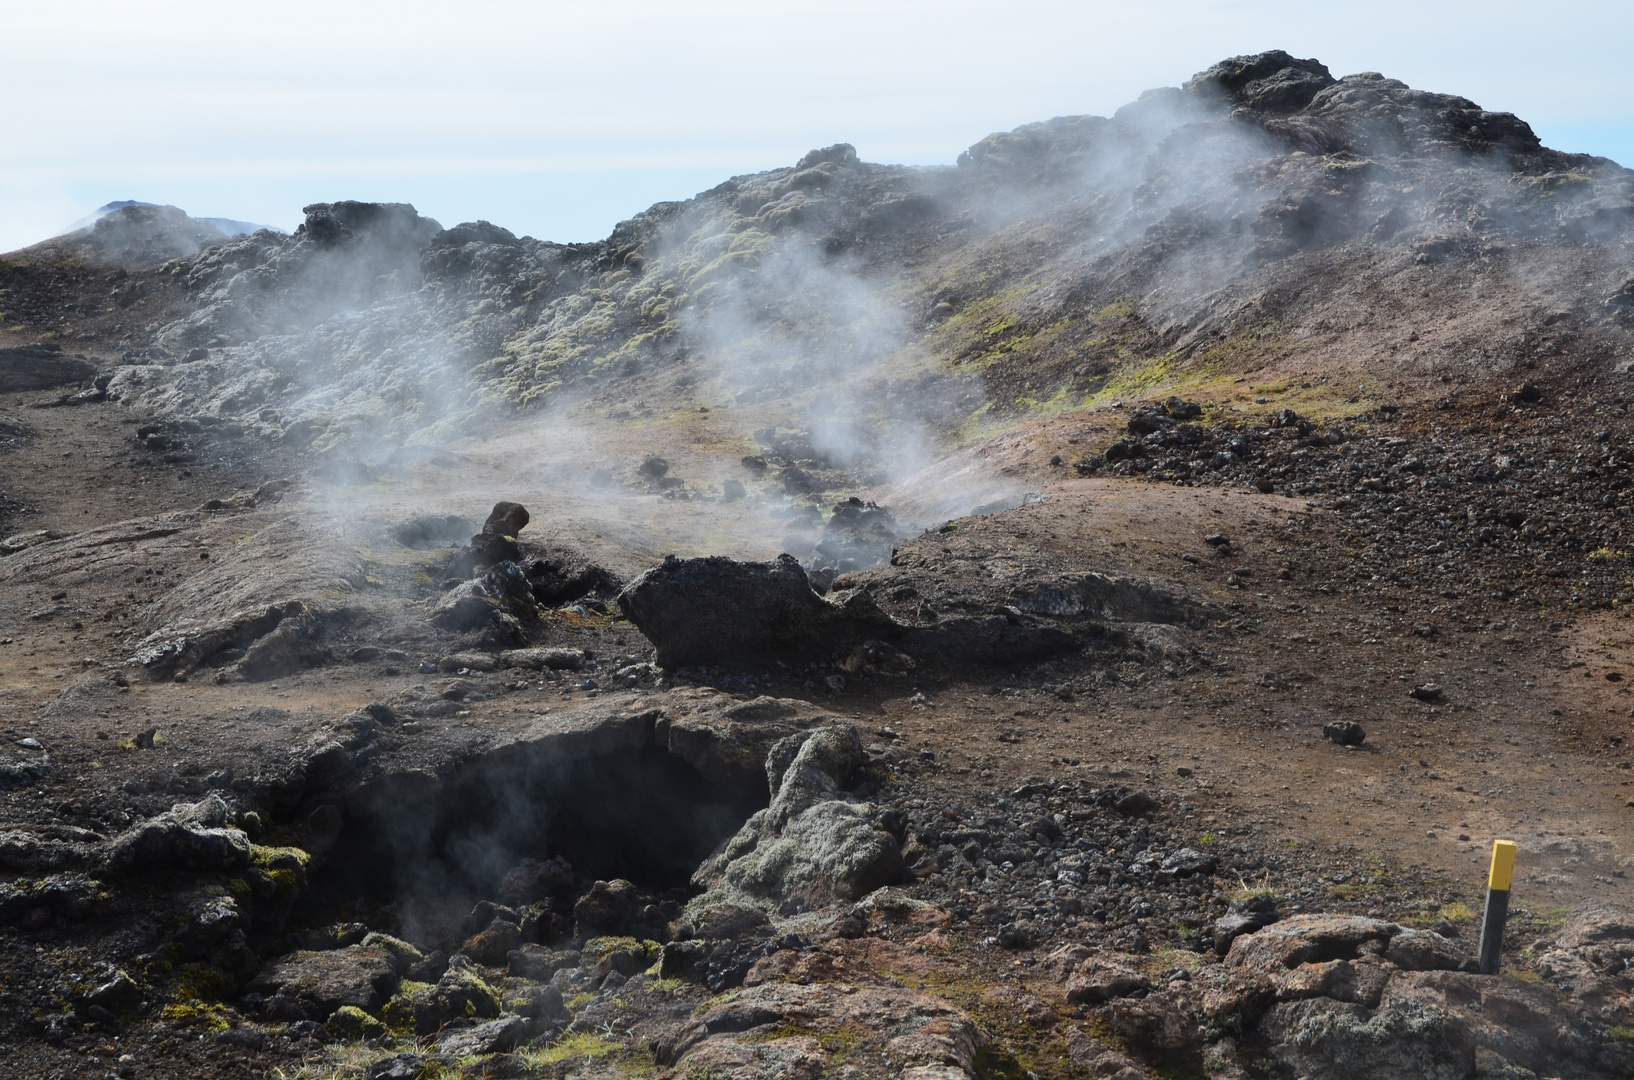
1499, 879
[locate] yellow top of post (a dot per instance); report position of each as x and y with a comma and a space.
1503, 865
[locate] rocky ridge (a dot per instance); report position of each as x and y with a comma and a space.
1211, 203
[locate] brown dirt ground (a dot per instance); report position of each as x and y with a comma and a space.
1528, 744
1521, 747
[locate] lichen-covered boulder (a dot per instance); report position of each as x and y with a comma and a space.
1096, 981
1422, 950
813, 843
351, 1022
403, 954
196, 837
1319, 1036
1305, 939
494, 943
747, 1034
609, 908
461, 992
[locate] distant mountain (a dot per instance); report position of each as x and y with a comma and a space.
139, 235
229, 227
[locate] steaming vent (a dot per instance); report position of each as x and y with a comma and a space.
530, 829
552, 866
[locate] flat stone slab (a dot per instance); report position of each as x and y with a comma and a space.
41, 367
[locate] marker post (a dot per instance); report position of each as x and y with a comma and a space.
1498, 882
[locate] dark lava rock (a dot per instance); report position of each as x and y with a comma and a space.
1422, 950
610, 908
561, 576
1268, 82
23, 774
424, 533
1187, 861
488, 548
1006, 638
1248, 914
1133, 803
1180, 409
430, 969
494, 1036
533, 880
295, 643
1144, 423
397, 1067
494, 945
460, 992
197, 837
729, 963
718, 610
118, 994
539, 963
1344, 733
40, 367
1096, 981
485, 912
506, 519
682, 959
859, 535
312, 985
1621, 302
502, 590
241, 1038
1228, 928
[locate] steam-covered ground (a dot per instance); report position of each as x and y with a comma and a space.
301, 730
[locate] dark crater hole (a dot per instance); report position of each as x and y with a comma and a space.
640, 815
434, 531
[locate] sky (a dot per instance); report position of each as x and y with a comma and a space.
558, 120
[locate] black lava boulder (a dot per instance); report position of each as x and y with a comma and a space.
721, 611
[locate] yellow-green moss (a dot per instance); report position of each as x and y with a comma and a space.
351, 1022
263, 857
207, 1015
201, 982
398, 1013
590, 1047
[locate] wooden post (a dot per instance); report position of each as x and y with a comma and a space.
1498, 881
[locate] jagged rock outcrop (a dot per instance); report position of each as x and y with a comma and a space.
40, 367
414, 331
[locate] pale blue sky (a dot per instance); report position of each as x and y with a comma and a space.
559, 119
